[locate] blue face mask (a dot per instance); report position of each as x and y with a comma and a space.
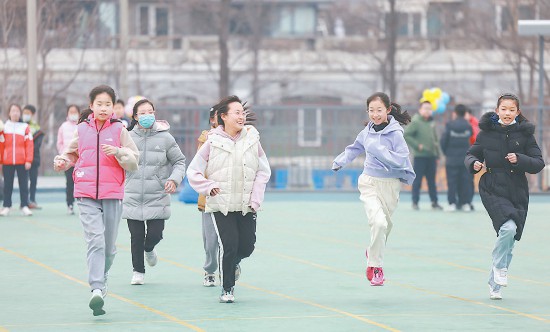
146, 120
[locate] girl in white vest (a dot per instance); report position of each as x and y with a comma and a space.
231, 170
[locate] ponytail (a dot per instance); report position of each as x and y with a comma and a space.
401, 117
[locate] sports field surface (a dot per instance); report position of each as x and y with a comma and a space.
307, 273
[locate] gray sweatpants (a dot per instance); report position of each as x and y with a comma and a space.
100, 220
210, 241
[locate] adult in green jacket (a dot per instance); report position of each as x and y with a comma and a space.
422, 139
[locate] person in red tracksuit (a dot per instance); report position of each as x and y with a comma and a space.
16, 151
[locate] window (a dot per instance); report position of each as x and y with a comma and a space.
309, 127
294, 21
153, 20
408, 24
507, 19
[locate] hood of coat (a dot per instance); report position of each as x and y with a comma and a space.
489, 122
158, 126
393, 125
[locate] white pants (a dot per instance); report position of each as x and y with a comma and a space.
380, 197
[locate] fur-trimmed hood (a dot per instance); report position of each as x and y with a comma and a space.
489, 122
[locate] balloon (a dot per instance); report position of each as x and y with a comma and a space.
445, 98
436, 92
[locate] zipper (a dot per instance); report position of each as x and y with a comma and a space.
13, 142
143, 171
97, 163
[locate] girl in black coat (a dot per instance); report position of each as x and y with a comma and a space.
507, 149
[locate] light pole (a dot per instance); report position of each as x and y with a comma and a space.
538, 28
32, 84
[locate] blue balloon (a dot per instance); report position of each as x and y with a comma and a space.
445, 98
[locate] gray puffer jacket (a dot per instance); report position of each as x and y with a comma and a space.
160, 160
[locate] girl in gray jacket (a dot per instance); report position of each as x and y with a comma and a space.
147, 192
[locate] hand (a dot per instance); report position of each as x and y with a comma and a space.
477, 166
170, 187
109, 149
214, 192
420, 147
512, 158
28, 166
59, 165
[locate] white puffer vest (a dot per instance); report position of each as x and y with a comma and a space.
233, 166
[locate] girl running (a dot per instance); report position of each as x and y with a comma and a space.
64, 137
147, 192
387, 164
17, 152
100, 151
231, 170
507, 149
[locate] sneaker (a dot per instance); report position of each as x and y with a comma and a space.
227, 296
500, 276
26, 211
70, 210
237, 272
494, 294
138, 278
451, 208
97, 302
5, 211
378, 277
466, 208
415, 207
209, 280
151, 257
436, 206
34, 206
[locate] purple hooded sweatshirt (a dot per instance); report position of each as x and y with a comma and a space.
387, 154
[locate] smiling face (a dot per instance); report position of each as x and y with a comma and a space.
102, 107
234, 118
378, 113
14, 113
425, 110
507, 111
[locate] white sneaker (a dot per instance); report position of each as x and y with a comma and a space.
500, 276
227, 296
5, 211
466, 208
237, 272
151, 257
494, 294
209, 280
450, 208
138, 278
97, 302
26, 211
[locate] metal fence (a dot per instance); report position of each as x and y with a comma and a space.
302, 140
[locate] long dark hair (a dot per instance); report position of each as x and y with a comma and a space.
395, 109
84, 114
134, 112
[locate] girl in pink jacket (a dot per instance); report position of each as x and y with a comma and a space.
100, 151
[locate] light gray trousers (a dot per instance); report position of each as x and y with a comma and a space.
210, 241
100, 220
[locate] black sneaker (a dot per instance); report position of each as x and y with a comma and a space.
415, 207
436, 206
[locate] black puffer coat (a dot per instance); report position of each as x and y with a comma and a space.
503, 188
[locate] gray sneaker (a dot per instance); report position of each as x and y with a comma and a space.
97, 302
151, 257
209, 280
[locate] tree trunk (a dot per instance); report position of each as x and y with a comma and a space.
392, 50
223, 39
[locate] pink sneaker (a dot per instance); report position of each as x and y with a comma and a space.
378, 278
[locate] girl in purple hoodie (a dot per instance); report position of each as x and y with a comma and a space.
387, 164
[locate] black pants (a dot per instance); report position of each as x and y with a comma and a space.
69, 190
459, 181
237, 234
9, 175
141, 242
33, 178
424, 167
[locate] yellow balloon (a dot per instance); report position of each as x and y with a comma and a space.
436, 92
434, 104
